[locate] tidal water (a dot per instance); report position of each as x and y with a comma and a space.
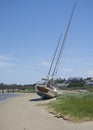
5, 96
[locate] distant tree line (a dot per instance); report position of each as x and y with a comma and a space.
75, 84
17, 88
72, 84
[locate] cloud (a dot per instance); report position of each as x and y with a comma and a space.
5, 61
28, 67
89, 73
68, 70
44, 64
5, 57
5, 64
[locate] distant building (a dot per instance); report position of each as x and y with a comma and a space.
89, 82
74, 79
60, 85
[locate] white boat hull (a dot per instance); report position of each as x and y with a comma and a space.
45, 92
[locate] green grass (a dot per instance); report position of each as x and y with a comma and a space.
74, 107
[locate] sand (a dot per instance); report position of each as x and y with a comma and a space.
25, 113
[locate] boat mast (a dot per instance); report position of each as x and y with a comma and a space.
51, 66
63, 42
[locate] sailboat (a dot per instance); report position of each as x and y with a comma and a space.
48, 88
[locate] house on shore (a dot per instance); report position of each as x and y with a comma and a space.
74, 79
89, 82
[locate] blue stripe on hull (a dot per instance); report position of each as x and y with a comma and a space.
44, 96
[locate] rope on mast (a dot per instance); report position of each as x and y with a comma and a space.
63, 42
54, 55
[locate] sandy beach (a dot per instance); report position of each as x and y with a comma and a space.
26, 113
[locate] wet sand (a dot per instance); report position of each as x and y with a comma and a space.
25, 113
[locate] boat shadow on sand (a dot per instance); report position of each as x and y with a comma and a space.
38, 99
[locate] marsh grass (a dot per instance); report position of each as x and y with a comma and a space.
74, 107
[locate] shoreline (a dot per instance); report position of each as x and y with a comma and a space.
27, 112
4, 97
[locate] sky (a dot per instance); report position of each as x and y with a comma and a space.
29, 33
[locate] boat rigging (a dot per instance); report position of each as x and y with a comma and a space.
48, 89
